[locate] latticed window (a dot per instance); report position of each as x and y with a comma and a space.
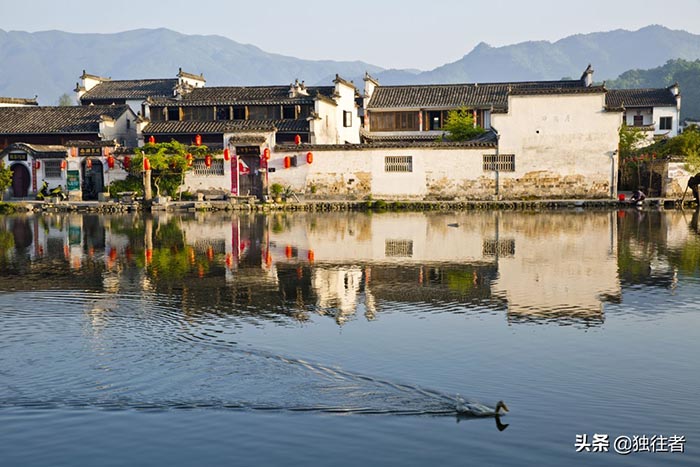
52, 169
398, 248
500, 162
398, 163
200, 168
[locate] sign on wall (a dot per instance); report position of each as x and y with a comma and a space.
90, 152
17, 156
73, 180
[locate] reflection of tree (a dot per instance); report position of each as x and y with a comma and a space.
7, 243
687, 258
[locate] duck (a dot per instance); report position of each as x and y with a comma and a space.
477, 409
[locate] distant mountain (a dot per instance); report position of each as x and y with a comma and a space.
49, 63
610, 53
683, 72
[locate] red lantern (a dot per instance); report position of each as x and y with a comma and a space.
189, 159
287, 162
198, 140
110, 161
127, 162
266, 154
64, 164
146, 164
88, 163
297, 140
152, 139
37, 165
207, 160
309, 158
227, 154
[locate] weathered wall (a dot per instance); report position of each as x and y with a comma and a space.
565, 146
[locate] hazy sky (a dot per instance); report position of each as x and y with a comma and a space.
399, 34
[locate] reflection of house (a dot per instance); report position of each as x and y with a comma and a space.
656, 111
320, 115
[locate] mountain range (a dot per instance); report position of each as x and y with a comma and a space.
49, 63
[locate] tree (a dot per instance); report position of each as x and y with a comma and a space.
460, 126
631, 139
65, 100
5, 178
687, 144
168, 163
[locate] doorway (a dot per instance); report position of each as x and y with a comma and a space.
93, 180
20, 181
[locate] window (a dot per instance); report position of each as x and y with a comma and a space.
347, 119
398, 163
264, 112
128, 123
665, 123
393, 121
289, 112
197, 113
173, 114
200, 168
638, 120
52, 169
398, 248
223, 113
238, 113
501, 162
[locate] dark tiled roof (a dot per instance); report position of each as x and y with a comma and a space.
56, 120
130, 89
38, 150
425, 137
18, 101
387, 145
640, 98
456, 95
225, 126
244, 95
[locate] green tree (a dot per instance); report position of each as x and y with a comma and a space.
168, 163
65, 100
687, 144
5, 178
460, 126
631, 139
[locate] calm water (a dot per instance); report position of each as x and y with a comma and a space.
344, 339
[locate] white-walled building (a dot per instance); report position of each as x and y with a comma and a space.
656, 111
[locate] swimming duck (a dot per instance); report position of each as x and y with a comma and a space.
477, 409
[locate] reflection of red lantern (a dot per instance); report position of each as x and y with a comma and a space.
64, 164
127, 162
210, 253
288, 251
198, 140
310, 256
266, 154
146, 164
287, 162
309, 158
110, 161
207, 160
88, 163
37, 165
189, 159
227, 154
297, 140
113, 254
152, 139
149, 256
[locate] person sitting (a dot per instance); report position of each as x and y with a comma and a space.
638, 196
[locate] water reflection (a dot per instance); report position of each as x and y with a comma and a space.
561, 267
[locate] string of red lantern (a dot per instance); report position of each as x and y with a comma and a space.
309, 158
227, 154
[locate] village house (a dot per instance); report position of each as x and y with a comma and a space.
654, 111
57, 144
97, 90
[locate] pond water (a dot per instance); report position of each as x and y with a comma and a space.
348, 338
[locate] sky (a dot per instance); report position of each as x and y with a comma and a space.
390, 34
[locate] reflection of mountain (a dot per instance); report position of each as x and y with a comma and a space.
556, 266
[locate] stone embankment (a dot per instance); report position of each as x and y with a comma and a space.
248, 205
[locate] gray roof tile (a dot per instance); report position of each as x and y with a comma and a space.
56, 120
225, 126
244, 95
640, 98
130, 89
